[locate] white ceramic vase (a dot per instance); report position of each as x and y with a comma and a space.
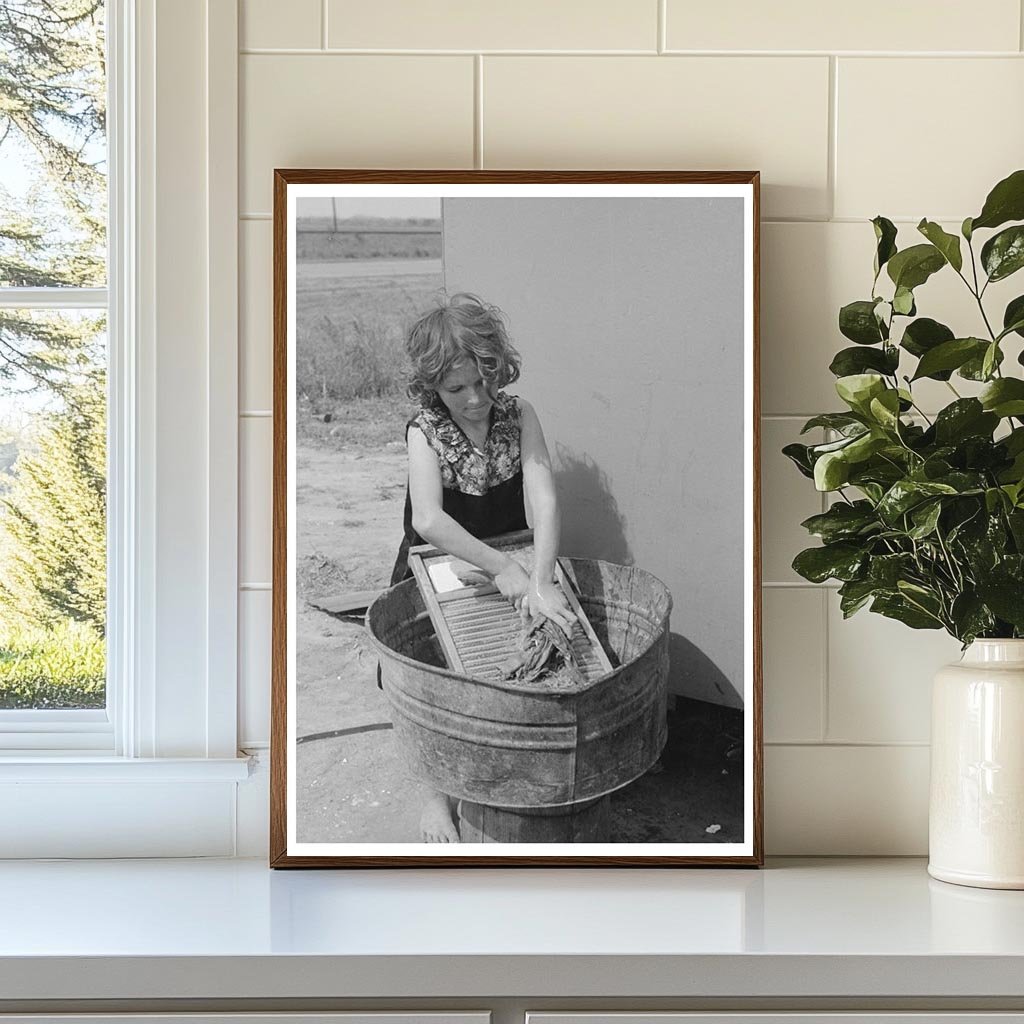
976, 813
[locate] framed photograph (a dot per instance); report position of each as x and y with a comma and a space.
516, 586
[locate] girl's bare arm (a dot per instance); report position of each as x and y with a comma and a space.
544, 598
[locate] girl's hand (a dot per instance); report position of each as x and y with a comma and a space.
548, 600
513, 582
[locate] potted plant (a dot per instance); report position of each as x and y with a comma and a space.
927, 521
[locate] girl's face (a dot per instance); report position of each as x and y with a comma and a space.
465, 394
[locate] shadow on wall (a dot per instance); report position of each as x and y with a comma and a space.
593, 527
693, 673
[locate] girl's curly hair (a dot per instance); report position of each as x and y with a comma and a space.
460, 327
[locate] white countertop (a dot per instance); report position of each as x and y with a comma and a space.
234, 928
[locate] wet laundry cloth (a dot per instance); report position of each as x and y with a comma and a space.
545, 654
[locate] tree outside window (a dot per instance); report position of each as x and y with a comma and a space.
53, 200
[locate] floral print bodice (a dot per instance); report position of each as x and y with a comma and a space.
463, 467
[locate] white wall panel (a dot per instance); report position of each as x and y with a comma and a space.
256, 478
870, 25
254, 617
846, 800
351, 111
688, 113
256, 307
471, 25
794, 663
971, 111
880, 675
261, 25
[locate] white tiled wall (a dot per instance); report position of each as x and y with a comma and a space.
907, 110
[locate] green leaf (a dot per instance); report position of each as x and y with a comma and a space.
970, 616
1017, 326
1003, 254
872, 491
887, 570
964, 418
1015, 518
947, 244
849, 361
831, 471
899, 608
912, 267
1012, 447
990, 360
855, 594
906, 494
1015, 492
903, 302
965, 228
994, 498
817, 450
840, 561
885, 409
1005, 202
1004, 397
842, 421
858, 389
950, 355
885, 236
923, 335
1014, 441
964, 482
1005, 597
974, 368
857, 321
1013, 317
879, 471
864, 447
925, 518
799, 455
982, 538
842, 521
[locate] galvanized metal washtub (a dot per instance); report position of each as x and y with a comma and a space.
516, 747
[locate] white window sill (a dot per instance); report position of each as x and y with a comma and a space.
78, 767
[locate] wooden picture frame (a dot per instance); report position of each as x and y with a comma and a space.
633, 299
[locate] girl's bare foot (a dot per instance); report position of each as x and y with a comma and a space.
437, 821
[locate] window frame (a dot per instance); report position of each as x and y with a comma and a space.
173, 469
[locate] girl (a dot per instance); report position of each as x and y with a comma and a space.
478, 467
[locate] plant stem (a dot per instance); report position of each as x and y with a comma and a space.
954, 568
974, 270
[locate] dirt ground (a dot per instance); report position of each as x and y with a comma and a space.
352, 786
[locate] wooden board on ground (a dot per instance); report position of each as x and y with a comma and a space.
478, 628
354, 603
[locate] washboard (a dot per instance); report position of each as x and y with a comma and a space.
478, 629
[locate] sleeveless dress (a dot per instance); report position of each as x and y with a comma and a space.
482, 491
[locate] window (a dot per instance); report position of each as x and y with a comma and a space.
53, 372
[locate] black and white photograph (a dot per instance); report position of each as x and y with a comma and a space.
516, 566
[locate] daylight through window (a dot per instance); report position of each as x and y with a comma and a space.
53, 354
